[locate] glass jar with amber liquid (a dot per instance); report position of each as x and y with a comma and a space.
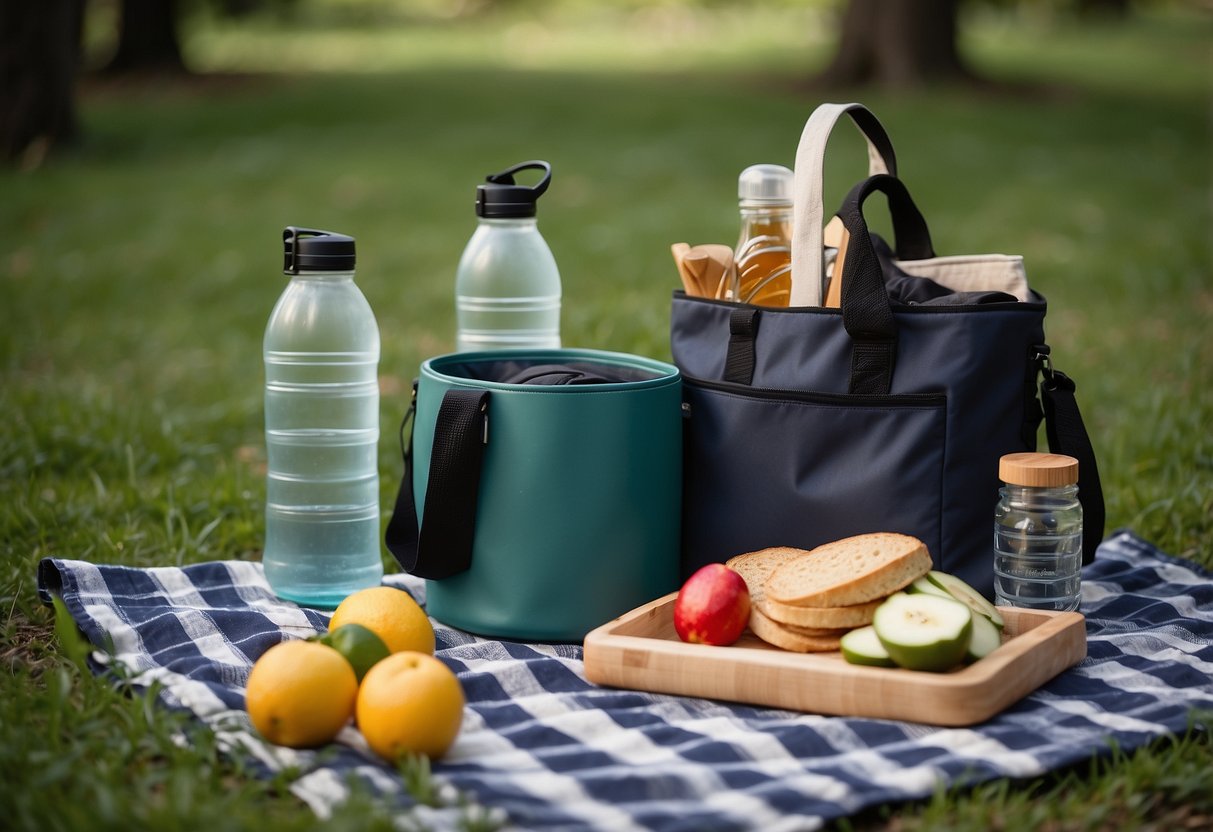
764, 249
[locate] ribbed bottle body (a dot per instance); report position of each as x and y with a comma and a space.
321, 357
1038, 547
507, 289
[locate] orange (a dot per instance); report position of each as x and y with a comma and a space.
409, 703
300, 693
389, 613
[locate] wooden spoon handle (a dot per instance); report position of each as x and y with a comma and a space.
689, 282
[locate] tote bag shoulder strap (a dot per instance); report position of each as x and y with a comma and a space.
1067, 434
808, 210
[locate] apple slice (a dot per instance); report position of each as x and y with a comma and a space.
923, 631
927, 586
861, 646
986, 639
964, 593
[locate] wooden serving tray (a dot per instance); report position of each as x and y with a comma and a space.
641, 650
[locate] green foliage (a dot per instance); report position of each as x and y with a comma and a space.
73, 646
137, 275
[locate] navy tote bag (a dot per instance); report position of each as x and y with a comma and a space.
807, 424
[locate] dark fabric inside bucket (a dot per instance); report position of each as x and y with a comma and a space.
542, 371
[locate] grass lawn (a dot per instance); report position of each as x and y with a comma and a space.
138, 271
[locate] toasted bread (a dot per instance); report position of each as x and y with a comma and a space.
789, 638
855, 615
854, 570
756, 567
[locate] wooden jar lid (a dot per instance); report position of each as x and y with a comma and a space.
1038, 470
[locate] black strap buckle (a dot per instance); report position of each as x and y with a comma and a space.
1044, 363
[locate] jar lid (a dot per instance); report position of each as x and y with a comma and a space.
765, 185
1038, 470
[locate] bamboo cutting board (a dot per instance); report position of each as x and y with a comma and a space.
641, 651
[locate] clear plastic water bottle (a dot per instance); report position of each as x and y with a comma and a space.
507, 286
1038, 532
321, 427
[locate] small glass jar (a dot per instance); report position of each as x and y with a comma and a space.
1038, 532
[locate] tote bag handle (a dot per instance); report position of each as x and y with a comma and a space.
808, 211
867, 313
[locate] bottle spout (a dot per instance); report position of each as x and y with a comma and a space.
310, 249
502, 196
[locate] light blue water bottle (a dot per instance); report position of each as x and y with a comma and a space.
321, 427
507, 286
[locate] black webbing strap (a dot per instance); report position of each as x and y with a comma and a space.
1067, 435
442, 545
867, 314
743, 329
872, 366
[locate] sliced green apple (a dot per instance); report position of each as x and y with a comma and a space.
861, 646
964, 593
986, 638
924, 631
927, 586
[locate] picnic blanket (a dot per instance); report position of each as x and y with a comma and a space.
541, 748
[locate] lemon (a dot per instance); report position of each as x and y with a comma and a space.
410, 703
389, 613
300, 693
360, 646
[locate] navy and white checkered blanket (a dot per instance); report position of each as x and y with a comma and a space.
544, 749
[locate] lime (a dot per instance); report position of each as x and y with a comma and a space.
359, 645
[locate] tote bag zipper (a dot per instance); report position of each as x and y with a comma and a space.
814, 397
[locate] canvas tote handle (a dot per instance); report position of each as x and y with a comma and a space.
807, 210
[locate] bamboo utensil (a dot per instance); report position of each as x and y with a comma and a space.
706, 270
834, 291
690, 282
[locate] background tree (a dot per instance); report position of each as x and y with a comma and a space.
911, 43
39, 59
1117, 9
905, 43
147, 38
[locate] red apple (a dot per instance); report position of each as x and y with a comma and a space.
713, 606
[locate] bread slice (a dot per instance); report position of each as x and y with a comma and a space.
788, 638
756, 567
854, 570
855, 615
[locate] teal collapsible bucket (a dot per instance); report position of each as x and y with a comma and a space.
548, 484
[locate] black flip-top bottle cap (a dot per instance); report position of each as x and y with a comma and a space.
501, 196
312, 250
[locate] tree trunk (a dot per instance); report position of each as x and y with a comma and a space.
39, 57
905, 43
1112, 9
147, 40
